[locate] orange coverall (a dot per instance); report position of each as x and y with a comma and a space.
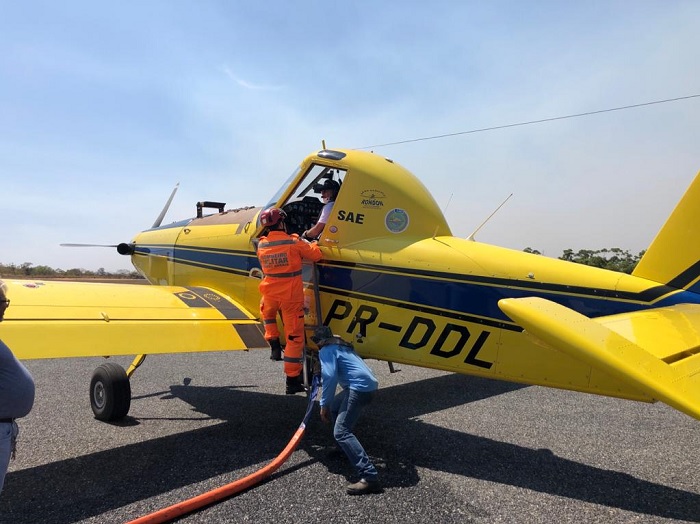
282, 289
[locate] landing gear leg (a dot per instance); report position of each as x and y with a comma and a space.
138, 360
312, 366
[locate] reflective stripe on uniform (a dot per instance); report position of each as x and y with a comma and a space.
270, 243
284, 275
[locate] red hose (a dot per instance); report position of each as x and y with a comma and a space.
215, 495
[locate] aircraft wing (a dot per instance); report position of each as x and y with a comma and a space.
48, 319
656, 350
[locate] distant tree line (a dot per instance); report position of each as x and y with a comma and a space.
30, 270
613, 258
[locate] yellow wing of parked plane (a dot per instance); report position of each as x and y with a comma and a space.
655, 350
51, 319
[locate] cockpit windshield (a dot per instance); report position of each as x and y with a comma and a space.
282, 189
304, 204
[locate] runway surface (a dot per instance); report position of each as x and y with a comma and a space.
449, 448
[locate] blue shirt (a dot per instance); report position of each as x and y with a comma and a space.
341, 365
16, 386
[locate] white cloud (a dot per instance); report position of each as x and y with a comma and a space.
249, 85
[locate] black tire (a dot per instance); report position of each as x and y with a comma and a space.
110, 392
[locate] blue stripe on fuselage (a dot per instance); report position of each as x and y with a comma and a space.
470, 295
230, 261
479, 299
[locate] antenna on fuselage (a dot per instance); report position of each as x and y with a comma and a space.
444, 212
471, 237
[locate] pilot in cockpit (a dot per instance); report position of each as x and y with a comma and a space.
329, 191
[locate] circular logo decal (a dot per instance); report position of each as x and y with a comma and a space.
396, 220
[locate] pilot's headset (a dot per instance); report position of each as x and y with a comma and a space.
329, 184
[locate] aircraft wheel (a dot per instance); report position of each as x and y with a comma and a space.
312, 366
110, 392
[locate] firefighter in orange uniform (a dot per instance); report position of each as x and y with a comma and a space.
282, 289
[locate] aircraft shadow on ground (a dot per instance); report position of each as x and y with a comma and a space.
459, 453
75, 489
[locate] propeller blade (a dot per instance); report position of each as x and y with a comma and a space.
122, 249
160, 218
87, 245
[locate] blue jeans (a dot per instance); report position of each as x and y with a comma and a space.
8, 434
346, 409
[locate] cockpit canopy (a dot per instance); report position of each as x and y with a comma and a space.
377, 198
303, 205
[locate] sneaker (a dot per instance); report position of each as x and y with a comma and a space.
295, 385
275, 349
363, 487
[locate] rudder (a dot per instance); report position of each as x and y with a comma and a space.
674, 256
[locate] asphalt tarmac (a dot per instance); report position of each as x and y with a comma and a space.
449, 448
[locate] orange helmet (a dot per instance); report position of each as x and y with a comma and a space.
273, 216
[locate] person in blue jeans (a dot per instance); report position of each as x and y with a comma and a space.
340, 365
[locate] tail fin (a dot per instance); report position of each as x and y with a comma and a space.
674, 256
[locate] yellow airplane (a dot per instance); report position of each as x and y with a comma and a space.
395, 281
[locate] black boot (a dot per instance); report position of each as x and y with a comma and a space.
275, 349
295, 385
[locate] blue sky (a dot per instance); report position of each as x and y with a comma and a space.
104, 107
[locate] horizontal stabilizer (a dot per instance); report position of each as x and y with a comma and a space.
676, 383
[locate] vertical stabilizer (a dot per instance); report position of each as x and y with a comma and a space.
674, 256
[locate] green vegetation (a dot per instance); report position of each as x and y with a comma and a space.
30, 270
613, 258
